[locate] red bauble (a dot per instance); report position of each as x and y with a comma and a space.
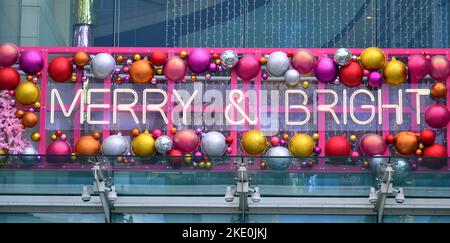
229, 140
176, 157
351, 75
390, 139
158, 58
427, 137
60, 69
337, 146
440, 156
9, 78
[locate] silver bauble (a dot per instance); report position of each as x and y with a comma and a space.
214, 144
103, 65
115, 145
292, 77
275, 158
163, 144
29, 154
343, 57
229, 58
401, 170
377, 163
278, 63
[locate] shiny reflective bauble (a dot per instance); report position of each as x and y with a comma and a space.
278, 158
292, 77
81, 59
35, 137
9, 78
375, 79
199, 60
351, 75
326, 70
278, 63
158, 58
87, 145
142, 72
214, 144
254, 142
395, 72
301, 145
401, 170
372, 144
143, 145
439, 90
59, 148
29, 119
135, 132
427, 137
114, 145
29, 154
343, 56
372, 59
31, 62
437, 116
186, 141
229, 58
406, 143
248, 67
27, 93
377, 163
163, 144
103, 65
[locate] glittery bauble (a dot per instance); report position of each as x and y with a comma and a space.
199, 60
292, 77
401, 169
214, 144
278, 158
9, 54
163, 144
326, 70
248, 67
254, 142
427, 137
103, 65
351, 75
143, 145
87, 145
377, 163
158, 58
278, 63
29, 119
175, 69
437, 115
35, 137
114, 145
29, 154
9, 78
439, 68
60, 69
27, 93
343, 56
395, 72
373, 59
303, 61
31, 62
418, 66
59, 148
439, 90
301, 145
375, 79
229, 58
435, 156
81, 59
142, 72
372, 144
186, 141
337, 146
406, 143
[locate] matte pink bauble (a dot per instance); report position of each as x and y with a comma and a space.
372, 144
175, 69
248, 67
303, 61
418, 66
9, 54
437, 116
439, 68
186, 141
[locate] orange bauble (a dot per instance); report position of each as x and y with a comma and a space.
29, 119
87, 145
81, 59
406, 143
135, 132
439, 90
142, 72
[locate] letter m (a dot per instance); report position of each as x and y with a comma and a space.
79, 96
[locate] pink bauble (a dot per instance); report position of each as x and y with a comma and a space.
435, 156
248, 67
9, 54
439, 68
59, 147
199, 60
31, 62
326, 70
437, 116
275, 141
372, 144
303, 61
175, 69
375, 79
186, 141
157, 133
418, 66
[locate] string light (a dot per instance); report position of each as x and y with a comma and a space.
167, 23
187, 22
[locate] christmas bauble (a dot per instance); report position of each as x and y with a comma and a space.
395, 72
229, 58
114, 145
31, 62
278, 63
303, 61
103, 65
9, 78
437, 115
406, 143
81, 59
175, 69
372, 144
439, 68
59, 147
254, 142
143, 145
158, 58
176, 157
418, 66
301, 145
351, 75
372, 59
142, 72
29, 154
60, 69
435, 156
163, 144
326, 70
187, 141
278, 158
343, 56
87, 145
199, 60
337, 146
27, 93
29, 119
439, 90
292, 77
214, 144
427, 137
248, 67
9, 54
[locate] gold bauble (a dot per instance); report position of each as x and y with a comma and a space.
305, 84
27, 93
254, 142
439, 90
87, 145
183, 54
315, 136
36, 137
372, 59
188, 158
395, 72
142, 72
37, 105
143, 145
301, 145
353, 138
53, 137
406, 143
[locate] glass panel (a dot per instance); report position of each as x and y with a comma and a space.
255, 218
51, 218
416, 219
176, 218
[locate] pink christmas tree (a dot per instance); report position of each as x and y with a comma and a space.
10, 126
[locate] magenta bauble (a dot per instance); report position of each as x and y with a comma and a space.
59, 147
31, 62
9, 54
326, 70
418, 66
372, 144
375, 79
186, 141
439, 68
437, 116
199, 60
248, 67
175, 69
